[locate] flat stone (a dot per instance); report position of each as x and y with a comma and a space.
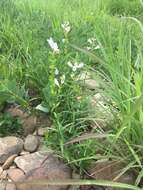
31, 161
50, 169
42, 165
31, 143
16, 174
9, 162
9, 146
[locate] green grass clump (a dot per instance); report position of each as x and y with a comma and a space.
28, 63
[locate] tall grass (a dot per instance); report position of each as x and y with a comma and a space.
27, 62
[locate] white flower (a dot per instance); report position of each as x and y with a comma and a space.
56, 71
66, 27
88, 48
70, 64
92, 44
91, 41
63, 79
53, 45
56, 82
97, 47
80, 65
75, 66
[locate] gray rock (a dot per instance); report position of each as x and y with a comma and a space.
99, 108
31, 143
9, 146
15, 174
48, 168
29, 122
91, 84
32, 161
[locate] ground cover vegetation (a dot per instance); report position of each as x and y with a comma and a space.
45, 46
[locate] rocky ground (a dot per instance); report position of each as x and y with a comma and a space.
26, 158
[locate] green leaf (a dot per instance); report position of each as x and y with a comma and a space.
42, 108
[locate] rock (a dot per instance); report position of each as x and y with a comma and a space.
16, 112
41, 166
99, 108
43, 120
29, 122
109, 170
31, 143
31, 161
2, 186
9, 146
10, 187
41, 131
16, 174
91, 84
9, 162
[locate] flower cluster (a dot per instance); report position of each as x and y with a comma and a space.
92, 44
75, 66
59, 80
53, 45
66, 27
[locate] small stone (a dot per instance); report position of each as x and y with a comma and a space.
15, 174
9, 146
9, 162
41, 131
10, 187
31, 143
